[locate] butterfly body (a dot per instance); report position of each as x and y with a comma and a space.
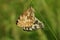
28, 21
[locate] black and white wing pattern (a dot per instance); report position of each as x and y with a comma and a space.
36, 25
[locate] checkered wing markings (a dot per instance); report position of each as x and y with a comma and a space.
36, 25
41, 25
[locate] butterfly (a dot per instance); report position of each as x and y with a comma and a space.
28, 22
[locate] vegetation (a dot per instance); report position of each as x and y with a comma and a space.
48, 11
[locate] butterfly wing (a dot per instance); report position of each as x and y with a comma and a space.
28, 21
36, 25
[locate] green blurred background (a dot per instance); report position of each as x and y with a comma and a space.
48, 11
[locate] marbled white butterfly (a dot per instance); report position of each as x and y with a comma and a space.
28, 21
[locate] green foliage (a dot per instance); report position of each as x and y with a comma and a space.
48, 11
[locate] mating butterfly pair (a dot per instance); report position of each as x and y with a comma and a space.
28, 21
